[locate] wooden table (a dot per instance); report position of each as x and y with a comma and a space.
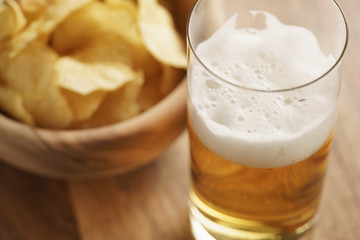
151, 203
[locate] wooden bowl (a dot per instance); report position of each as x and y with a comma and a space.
99, 152
104, 151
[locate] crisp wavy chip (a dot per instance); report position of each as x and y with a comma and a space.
117, 106
32, 75
109, 49
94, 20
169, 79
158, 83
12, 20
119, 2
83, 106
33, 6
12, 103
54, 13
159, 34
85, 78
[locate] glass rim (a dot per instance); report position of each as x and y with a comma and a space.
310, 82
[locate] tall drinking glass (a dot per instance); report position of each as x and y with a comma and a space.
263, 87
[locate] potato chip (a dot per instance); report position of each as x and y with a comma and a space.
105, 49
33, 6
159, 34
169, 79
33, 9
119, 2
12, 104
11, 18
158, 84
100, 19
85, 78
117, 106
32, 75
54, 13
83, 106
150, 93
57, 11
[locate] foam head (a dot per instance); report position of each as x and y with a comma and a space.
269, 128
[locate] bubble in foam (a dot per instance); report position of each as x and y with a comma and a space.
212, 84
257, 129
288, 101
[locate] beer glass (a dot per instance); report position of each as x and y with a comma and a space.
263, 86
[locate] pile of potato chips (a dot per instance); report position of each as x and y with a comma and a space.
85, 63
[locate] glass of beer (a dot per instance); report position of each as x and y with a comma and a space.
263, 86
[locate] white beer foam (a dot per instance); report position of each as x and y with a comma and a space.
258, 129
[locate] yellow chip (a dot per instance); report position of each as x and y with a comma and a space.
83, 106
85, 78
158, 84
106, 49
32, 75
159, 34
150, 93
12, 104
117, 106
109, 50
94, 20
169, 79
11, 19
33, 6
119, 2
54, 13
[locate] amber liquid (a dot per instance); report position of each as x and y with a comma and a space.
237, 202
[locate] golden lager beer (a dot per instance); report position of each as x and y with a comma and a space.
278, 200
262, 107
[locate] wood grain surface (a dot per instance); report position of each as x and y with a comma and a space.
151, 202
